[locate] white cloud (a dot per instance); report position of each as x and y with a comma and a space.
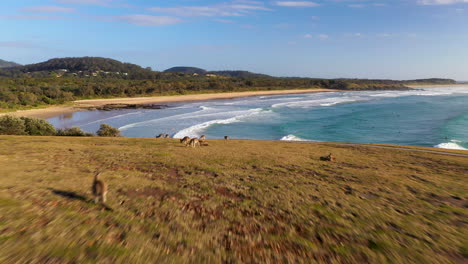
48, 9
296, 3
308, 36
147, 20
441, 2
233, 8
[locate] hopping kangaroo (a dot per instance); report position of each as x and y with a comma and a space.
194, 142
330, 157
99, 189
185, 140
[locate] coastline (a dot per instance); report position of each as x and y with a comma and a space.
436, 85
82, 105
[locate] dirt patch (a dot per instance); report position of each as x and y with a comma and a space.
454, 201
156, 192
226, 192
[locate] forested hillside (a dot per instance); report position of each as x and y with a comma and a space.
8, 64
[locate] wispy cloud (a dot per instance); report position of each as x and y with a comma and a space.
233, 8
147, 20
48, 9
441, 2
17, 44
323, 36
296, 3
354, 35
356, 5
226, 21
85, 2
35, 17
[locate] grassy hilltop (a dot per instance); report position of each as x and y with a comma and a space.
233, 202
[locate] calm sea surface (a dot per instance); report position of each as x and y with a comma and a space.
429, 117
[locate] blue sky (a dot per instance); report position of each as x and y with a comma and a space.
399, 39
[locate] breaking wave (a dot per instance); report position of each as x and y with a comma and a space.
453, 144
195, 131
294, 138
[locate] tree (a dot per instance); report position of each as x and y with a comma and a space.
107, 131
38, 127
10, 125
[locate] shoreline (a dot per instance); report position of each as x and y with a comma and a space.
83, 105
116, 103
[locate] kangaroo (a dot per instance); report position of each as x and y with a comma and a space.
161, 136
99, 189
202, 138
330, 157
194, 142
185, 140
226, 137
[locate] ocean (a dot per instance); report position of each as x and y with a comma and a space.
429, 117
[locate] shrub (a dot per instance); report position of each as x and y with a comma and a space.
107, 131
38, 127
73, 132
10, 125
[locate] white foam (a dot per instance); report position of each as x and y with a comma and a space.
320, 102
293, 138
449, 145
196, 130
156, 120
113, 117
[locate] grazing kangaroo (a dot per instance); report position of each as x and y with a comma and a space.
330, 157
194, 142
226, 137
161, 136
99, 189
185, 140
202, 138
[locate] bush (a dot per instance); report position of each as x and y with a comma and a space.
73, 132
38, 127
10, 125
107, 131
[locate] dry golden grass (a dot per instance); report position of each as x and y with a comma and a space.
232, 201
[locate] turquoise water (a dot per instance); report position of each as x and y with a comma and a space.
430, 117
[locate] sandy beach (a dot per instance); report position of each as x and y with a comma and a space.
81, 105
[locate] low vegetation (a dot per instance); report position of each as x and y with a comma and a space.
73, 132
106, 130
231, 202
11, 125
